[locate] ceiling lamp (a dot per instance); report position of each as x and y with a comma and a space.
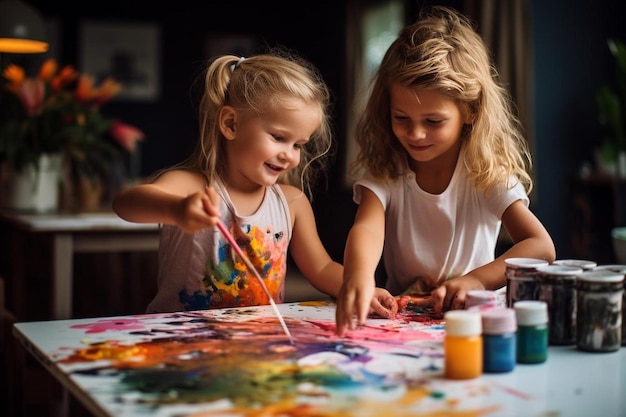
22, 28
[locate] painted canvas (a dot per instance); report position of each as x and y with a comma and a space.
239, 362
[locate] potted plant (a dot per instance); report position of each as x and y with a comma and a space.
611, 104
57, 114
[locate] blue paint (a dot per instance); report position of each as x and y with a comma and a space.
499, 352
499, 340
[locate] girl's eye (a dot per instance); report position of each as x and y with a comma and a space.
434, 122
278, 138
400, 118
298, 145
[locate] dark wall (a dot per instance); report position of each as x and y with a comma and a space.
570, 61
171, 121
317, 30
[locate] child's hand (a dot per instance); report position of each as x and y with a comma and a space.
384, 304
354, 299
450, 295
198, 211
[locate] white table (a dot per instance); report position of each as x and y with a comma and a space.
238, 362
79, 233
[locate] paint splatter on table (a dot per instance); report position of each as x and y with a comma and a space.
238, 362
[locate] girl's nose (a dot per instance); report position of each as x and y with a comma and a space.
417, 132
289, 155
283, 156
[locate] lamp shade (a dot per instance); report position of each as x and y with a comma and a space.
22, 28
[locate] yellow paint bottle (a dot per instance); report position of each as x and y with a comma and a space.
463, 344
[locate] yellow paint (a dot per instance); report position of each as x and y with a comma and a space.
313, 303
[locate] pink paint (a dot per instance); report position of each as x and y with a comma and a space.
112, 325
512, 391
385, 332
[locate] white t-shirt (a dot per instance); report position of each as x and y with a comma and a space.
430, 238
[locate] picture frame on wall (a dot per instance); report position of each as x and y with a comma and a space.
127, 52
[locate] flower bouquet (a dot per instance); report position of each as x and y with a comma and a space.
58, 112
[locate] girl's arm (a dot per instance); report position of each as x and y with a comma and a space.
531, 240
320, 270
364, 248
306, 247
177, 197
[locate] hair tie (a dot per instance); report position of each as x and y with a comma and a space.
236, 64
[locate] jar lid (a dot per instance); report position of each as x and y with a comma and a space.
601, 276
462, 323
525, 262
480, 297
613, 268
531, 312
580, 263
499, 320
559, 270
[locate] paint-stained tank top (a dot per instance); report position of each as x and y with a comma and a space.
201, 270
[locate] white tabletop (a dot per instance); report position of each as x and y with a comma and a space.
238, 362
73, 222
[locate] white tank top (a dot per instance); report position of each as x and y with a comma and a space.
201, 270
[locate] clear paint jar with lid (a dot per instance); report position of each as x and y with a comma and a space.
532, 331
521, 282
499, 340
557, 288
600, 304
578, 263
622, 270
463, 344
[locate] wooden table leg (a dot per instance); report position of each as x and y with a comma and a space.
62, 275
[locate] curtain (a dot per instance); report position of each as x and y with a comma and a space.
506, 28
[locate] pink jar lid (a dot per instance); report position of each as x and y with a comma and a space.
499, 321
480, 297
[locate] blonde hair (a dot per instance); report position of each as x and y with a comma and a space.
261, 82
443, 52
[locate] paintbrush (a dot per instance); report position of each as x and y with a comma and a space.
229, 237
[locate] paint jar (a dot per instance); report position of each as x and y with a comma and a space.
481, 298
499, 340
599, 303
521, 283
557, 288
622, 270
578, 263
532, 331
463, 344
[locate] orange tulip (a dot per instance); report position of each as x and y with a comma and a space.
67, 76
85, 90
16, 77
47, 70
107, 90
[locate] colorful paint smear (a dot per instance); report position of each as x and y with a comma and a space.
237, 362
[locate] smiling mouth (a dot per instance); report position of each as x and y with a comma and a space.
419, 148
275, 167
